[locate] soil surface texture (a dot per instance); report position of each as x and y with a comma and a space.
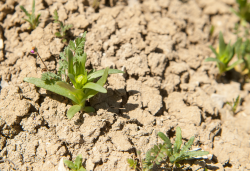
161, 45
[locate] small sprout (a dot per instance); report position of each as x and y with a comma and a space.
32, 18
224, 56
63, 28
77, 165
72, 69
165, 152
243, 11
234, 104
242, 50
96, 4
211, 31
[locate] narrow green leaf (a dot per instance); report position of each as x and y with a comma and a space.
212, 59
99, 73
178, 140
234, 64
73, 110
70, 164
196, 153
69, 55
95, 87
78, 161
165, 139
56, 88
82, 169
187, 145
33, 7
25, 11
222, 45
214, 51
82, 60
89, 109
72, 78
58, 34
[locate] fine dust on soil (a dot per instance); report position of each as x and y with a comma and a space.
161, 44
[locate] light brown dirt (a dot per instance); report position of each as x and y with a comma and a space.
161, 44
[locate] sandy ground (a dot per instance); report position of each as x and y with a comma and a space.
162, 45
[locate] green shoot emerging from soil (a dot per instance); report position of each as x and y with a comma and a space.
224, 56
72, 67
165, 152
234, 104
32, 18
77, 165
63, 28
243, 11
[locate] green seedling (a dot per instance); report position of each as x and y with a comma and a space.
243, 11
234, 104
63, 28
72, 69
224, 56
77, 165
32, 18
167, 152
242, 49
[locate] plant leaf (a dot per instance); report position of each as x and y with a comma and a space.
95, 87
56, 88
70, 164
234, 64
178, 140
78, 161
25, 11
69, 54
89, 109
187, 145
191, 154
73, 110
99, 73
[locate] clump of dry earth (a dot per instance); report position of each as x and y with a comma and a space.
161, 44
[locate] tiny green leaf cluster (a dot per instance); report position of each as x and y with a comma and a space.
81, 85
77, 165
167, 151
234, 104
63, 28
32, 18
224, 56
243, 11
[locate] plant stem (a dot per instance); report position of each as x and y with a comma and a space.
42, 61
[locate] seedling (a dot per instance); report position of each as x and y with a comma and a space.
243, 52
77, 165
224, 56
63, 28
165, 152
243, 11
32, 18
72, 69
234, 104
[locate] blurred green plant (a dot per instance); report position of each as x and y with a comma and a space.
32, 18
72, 68
243, 11
63, 28
77, 165
224, 56
242, 50
164, 151
234, 104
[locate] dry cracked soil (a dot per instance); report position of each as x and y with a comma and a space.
161, 45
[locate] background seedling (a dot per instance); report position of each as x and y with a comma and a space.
243, 11
224, 56
164, 151
234, 104
72, 67
77, 165
32, 18
63, 28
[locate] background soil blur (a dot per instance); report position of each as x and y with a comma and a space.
161, 44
